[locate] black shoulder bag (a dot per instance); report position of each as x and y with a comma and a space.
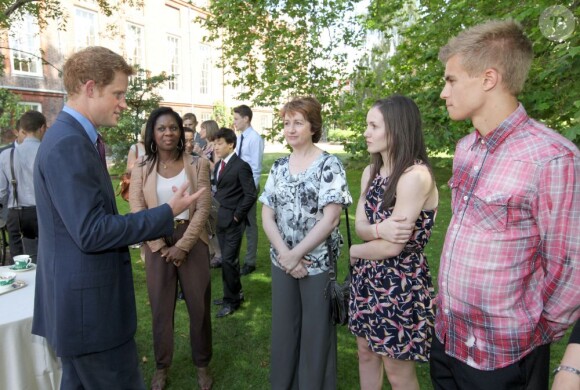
338, 293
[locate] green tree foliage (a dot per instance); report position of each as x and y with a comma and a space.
273, 50
222, 114
142, 98
51, 10
9, 112
45, 10
420, 28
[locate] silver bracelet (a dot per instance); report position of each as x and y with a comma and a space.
561, 367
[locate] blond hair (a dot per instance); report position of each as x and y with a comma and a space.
95, 63
498, 44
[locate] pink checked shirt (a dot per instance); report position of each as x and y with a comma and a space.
509, 278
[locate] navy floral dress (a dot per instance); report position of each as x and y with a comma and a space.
391, 300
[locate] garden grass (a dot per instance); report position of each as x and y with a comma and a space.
241, 342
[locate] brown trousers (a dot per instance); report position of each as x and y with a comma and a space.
194, 278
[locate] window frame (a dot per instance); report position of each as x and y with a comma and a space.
81, 28
30, 106
140, 48
32, 36
206, 69
173, 67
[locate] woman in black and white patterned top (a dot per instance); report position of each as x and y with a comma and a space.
303, 199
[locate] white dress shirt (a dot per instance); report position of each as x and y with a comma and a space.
252, 145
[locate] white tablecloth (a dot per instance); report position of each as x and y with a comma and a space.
26, 360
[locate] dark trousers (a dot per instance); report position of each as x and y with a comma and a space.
114, 369
230, 239
194, 278
304, 352
529, 373
22, 223
251, 231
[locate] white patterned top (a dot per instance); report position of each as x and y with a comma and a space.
298, 200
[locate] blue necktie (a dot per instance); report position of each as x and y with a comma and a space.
241, 143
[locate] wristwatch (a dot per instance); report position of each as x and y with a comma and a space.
561, 367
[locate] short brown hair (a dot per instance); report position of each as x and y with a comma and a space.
31, 121
244, 111
190, 115
311, 109
499, 44
93, 63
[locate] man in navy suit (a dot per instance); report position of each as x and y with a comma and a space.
236, 193
84, 301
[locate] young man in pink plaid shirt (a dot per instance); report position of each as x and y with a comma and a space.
509, 278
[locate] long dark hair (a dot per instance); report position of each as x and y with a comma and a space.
150, 135
405, 142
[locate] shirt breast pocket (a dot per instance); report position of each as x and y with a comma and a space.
489, 210
457, 184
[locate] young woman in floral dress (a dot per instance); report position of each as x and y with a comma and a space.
391, 310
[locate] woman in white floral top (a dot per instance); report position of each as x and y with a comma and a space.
303, 199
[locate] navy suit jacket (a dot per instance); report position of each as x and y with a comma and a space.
235, 191
84, 300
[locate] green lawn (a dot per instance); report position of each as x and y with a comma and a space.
242, 341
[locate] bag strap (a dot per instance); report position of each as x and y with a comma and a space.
333, 270
349, 239
13, 181
333, 262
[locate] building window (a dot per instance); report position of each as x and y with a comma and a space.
135, 48
265, 122
174, 58
85, 28
25, 45
205, 69
205, 116
27, 106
